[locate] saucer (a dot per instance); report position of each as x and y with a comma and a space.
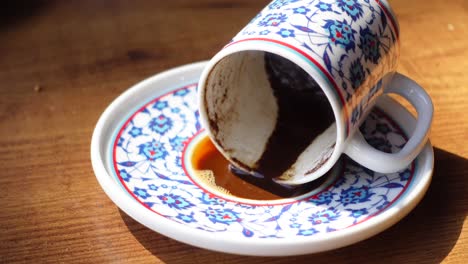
139, 155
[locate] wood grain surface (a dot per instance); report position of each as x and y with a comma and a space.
63, 62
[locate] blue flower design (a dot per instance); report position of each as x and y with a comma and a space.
160, 124
307, 232
356, 74
295, 225
182, 92
383, 205
340, 33
324, 216
120, 142
160, 105
323, 6
405, 175
135, 132
358, 212
187, 218
153, 187
223, 216
210, 199
351, 7
370, 45
301, 10
322, 198
264, 32
355, 195
141, 193
177, 143
272, 20
125, 175
175, 201
178, 161
152, 150
286, 33
280, 3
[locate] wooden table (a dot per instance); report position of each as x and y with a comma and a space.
63, 62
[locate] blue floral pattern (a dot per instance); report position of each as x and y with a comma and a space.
324, 6
160, 105
370, 45
357, 213
175, 201
322, 198
355, 195
357, 75
160, 124
152, 150
301, 10
280, 3
135, 132
151, 168
348, 40
340, 33
351, 7
286, 33
142, 193
272, 20
223, 216
124, 175
178, 143
324, 216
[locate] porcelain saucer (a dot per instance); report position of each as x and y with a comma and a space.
140, 154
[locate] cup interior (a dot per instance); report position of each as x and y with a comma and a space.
267, 115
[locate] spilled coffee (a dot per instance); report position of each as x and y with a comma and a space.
229, 180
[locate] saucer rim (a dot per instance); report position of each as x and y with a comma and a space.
252, 246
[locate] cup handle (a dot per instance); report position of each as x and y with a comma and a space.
360, 151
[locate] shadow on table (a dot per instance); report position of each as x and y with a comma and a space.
426, 235
13, 12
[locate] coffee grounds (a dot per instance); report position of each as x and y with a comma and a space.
304, 113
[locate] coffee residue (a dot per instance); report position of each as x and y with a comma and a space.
304, 114
214, 170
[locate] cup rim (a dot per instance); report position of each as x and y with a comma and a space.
305, 64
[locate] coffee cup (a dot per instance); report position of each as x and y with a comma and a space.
285, 98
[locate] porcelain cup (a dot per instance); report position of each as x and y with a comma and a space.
349, 48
